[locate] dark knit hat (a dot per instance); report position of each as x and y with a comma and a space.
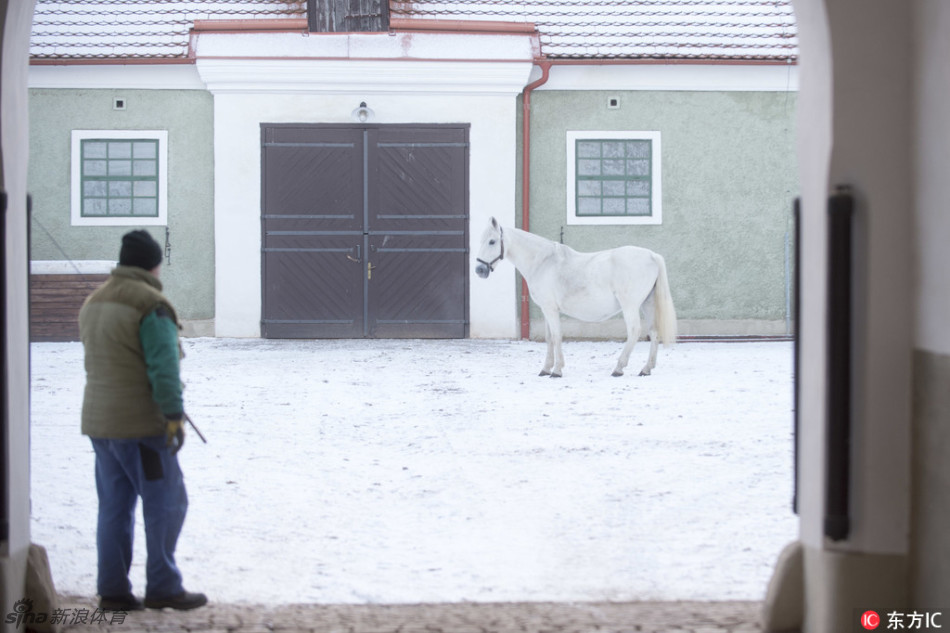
140, 249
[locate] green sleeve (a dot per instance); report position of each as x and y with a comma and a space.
159, 335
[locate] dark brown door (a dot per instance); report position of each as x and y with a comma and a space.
365, 231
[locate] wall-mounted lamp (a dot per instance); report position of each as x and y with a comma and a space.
362, 113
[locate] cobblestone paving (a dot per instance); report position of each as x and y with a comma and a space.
540, 617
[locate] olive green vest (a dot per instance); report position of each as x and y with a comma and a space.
118, 399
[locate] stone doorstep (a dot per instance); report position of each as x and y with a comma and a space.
645, 617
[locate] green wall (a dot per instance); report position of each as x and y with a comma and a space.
729, 180
728, 184
188, 116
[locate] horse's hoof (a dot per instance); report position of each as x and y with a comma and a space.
544, 372
617, 373
644, 373
555, 375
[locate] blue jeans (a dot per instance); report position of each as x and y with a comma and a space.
125, 470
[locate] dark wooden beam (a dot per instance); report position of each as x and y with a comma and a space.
347, 16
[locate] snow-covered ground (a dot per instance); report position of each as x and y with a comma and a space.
436, 471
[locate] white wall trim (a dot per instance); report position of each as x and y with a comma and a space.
674, 77
388, 47
237, 208
322, 76
656, 178
76, 217
115, 77
71, 267
405, 78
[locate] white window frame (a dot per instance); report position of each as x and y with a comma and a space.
76, 217
656, 181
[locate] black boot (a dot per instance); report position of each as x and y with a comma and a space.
120, 603
182, 602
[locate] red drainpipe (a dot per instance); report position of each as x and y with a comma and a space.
526, 183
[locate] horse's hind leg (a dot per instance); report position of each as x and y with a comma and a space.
631, 317
649, 313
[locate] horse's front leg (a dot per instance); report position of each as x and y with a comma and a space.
549, 358
554, 362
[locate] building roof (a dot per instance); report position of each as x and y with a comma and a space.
635, 29
687, 30
138, 29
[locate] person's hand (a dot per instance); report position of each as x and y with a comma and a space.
174, 433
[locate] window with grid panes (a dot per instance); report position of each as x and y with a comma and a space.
119, 177
613, 178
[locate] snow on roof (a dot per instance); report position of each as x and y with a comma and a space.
138, 29
569, 29
655, 29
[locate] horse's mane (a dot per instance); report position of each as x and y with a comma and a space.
540, 242
533, 238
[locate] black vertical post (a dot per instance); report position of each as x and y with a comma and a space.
4, 399
838, 456
29, 277
796, 346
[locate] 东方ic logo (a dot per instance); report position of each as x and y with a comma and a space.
870, 620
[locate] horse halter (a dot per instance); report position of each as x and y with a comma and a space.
501, 256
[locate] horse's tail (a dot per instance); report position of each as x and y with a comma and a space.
665, 312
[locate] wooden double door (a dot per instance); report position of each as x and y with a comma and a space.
364, 231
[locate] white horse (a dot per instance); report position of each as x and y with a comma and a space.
586, 286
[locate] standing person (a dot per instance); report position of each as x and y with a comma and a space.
132, 412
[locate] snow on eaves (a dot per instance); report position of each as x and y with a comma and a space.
568, 29
129, 29
728, 29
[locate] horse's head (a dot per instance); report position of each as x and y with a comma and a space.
491, 251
